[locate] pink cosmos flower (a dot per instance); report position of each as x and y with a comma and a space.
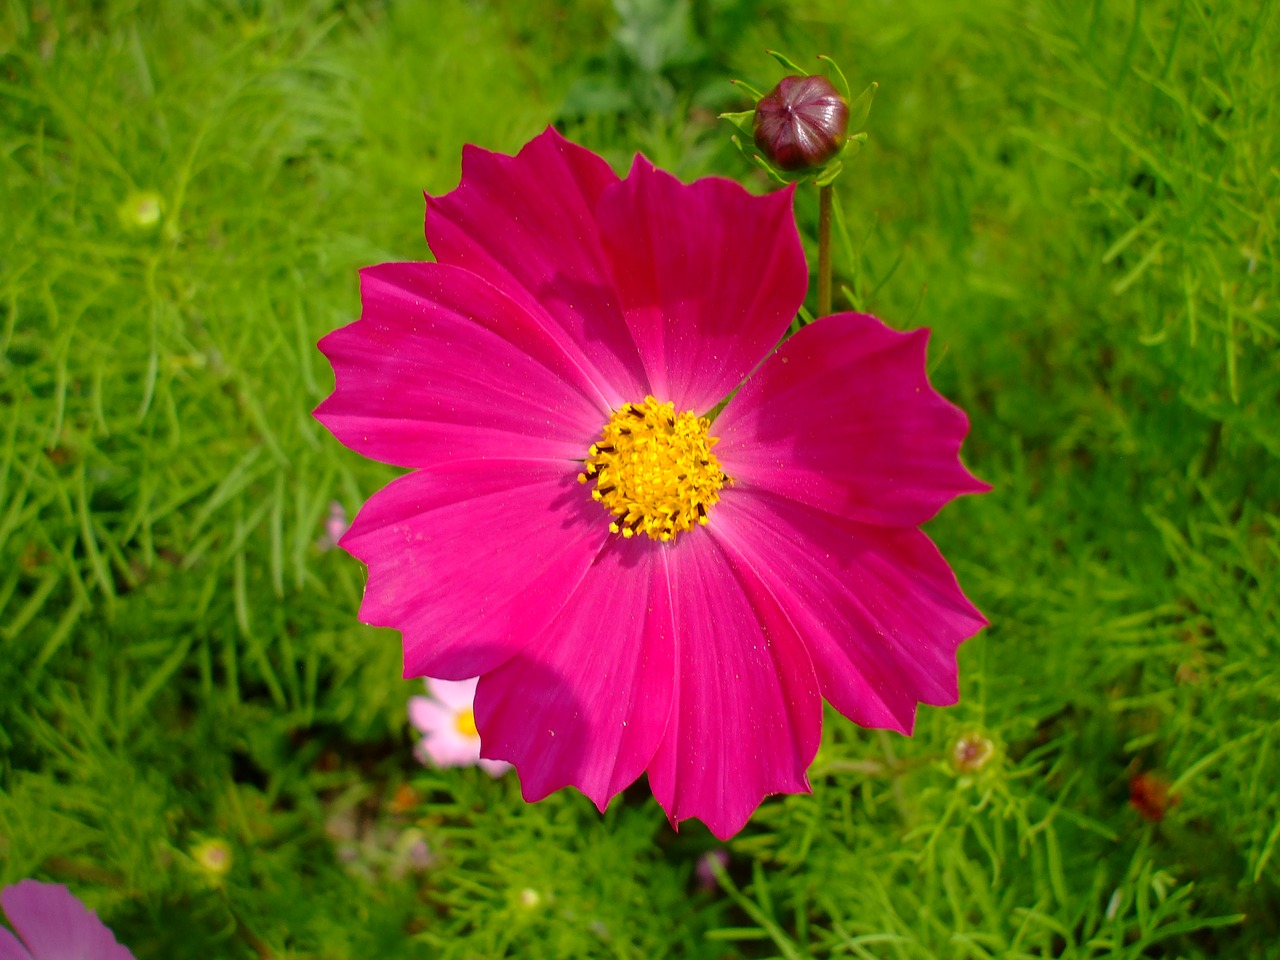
53, 925
335, 525
638, 588
447, 722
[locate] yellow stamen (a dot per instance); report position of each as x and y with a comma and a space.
654, 470
465, 723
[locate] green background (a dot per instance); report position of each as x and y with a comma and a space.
1080, 199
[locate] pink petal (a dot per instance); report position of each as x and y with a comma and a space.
527, 225
455, 694
843, 418
451, 748
747, 714
879, 609
11, 948
709, 275
586, 703
427, 716
471, 560
56, 926
441, 366
494, 768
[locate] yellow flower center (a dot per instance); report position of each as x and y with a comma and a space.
465, 723
654, 470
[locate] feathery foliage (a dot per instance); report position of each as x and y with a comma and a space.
1079, 199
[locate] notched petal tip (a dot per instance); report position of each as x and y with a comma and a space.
586, 703
843, 417
708, 276
979, 485
725, 826
747, 718
880, 610
527, 224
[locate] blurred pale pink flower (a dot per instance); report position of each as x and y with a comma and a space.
53, 925
705, 871
335, 525
447, 722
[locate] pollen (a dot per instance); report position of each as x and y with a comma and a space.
654, 471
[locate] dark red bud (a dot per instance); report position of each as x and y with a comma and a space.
801, 123
1149, 795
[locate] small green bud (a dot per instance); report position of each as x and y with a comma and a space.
141, 211
529, 898
801, 123
213, 857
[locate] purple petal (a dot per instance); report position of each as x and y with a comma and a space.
11, 948
587, 702
843, 418
442, 366
747, 714
527, 225
472, 560
709, 275
56, 926
879, 609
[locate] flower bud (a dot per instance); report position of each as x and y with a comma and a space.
801, 123
529, 898
971, 752
141, 211
213, 857
1149, 795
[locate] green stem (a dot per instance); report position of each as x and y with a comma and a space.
824, 251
